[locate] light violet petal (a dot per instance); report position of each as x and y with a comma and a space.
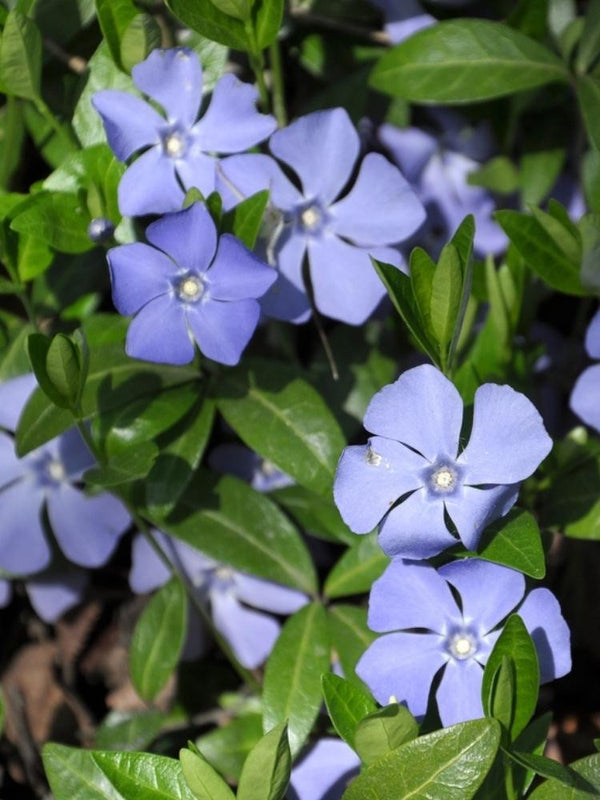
459, 693
231, 122
473, 509
324, 771
592, 336
411, 148
247, 174
189, 237
147, 572
236, 273
223, 330
130, 123
402, 666
371, 478
585, 397
504, 590
322, 149
286, 302
550, 633
149, 186
174, 79
423, 409
410, 594
86, 528
14, 393
198, 171
415, 528
11, 467
54, 594
508, 440
268, 596
159, 333
73, 453
390, 255
250, 634
23, 545
394, 210
139, 273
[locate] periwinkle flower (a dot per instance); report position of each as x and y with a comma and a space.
323, 771
238, 460
87, 528
237, 600
178, 151
337, 232
411, 474
457, 637
403, 18
51, 594
585, 397
188, 285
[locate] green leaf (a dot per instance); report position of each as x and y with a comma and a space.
458, 61
74, 775
516, 643
204, 17
541, 252
384, 730
21, 57
502, 692
129, 730
539, 171
244, 220
229, 521
587, 783
38, 346
546, 767
446, 294
56, 218
531, 740
130, 465
239, 9
357, 569
226, 748
516, 542
277, 414
588, 95
292, 684
202, 779
449, 764
268, 21
589, 45
317, 514
140, 37
266, 772
144, 775
346, 703
158, 638
114, 16
350, 636
63, 368
499, 174
34, 257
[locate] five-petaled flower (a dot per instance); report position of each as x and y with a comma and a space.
410, 475
178, 150
413, 595
188, 285
585, 397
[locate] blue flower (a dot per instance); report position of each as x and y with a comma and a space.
238, 460
337, 232
51, 593
585, 398
237, 601
401, 664
188, 285
178, 151
323, 771
411, 475
87, 528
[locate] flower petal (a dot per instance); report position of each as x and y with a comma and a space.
159, 333
473, 509
550, 633
147, 571
585, 396
508, 440
321, 148
174, 79
592, 336
268, 596
250, 634
130, 123
415, 528
54, 594
323, 772
73, 453
223, 330
286, 302
139, 273
504, 589
236, 273
23, 545
231, 122
189, 237
411, 148
402, 665
14, 394
86, 528
423, 409
459, 693
11, 467
149, 186
381, 471
197, 170
394, 210
247, 174
410, 594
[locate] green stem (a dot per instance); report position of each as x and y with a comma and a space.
257, 63
277, 81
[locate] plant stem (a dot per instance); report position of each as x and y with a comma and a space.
277, 83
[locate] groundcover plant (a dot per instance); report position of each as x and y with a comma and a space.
299, 399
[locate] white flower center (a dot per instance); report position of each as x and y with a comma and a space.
373, 458
462, 645
190, 289
311, 217
174, 145
56, 471
443, 479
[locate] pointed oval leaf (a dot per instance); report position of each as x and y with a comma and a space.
266, 771
21, 56
346, 703
516, 542
74, 775
357, 569
383, 731
202, 779
144, 776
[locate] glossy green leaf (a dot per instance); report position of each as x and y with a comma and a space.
384, 730
158, 638
74, 775
207, 19
20, 56
458, 61
516, 643
502, 692
38, 347
292, 684
350, 636
280, 416
266, 772
226, 748
114, 16
317, 514
449, 764
546, 767
446, 294
245, 219
516, 542
132, 464
139, 38
589, 45
56, 218
357, 569
588, 94
144, 776
539, 171
499, 174
63, 368
268, 21
229, 521
587, 784
34, 257
346, 703
204, 782
129, 730
239, 9
531, 740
